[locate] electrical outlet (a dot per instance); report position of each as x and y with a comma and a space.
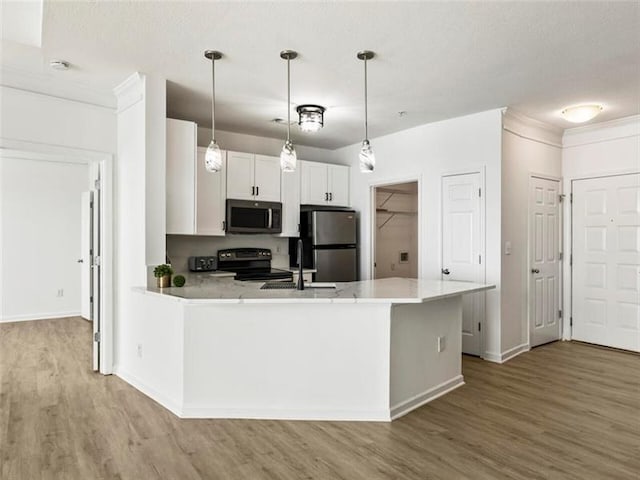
441, 344
277, 248
393, 267
139, 350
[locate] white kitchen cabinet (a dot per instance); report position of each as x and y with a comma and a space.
180, 180
210, 197
324, 184
290, 198
253, 177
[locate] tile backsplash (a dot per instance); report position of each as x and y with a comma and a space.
181, 247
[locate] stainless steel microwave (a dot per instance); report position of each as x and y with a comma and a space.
249, 216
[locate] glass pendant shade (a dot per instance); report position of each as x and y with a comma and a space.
367, 158
213, 158
288, 157
311, 117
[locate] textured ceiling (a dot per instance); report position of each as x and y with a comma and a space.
435, 60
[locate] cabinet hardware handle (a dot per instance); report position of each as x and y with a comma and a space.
253, 191
331, 196
326, 196
445, 271
224, 226
257, 191
535, 270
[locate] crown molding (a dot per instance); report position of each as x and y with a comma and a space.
530, 128
43, 84
130, 91
602, 132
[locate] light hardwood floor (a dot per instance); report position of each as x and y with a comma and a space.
562, 411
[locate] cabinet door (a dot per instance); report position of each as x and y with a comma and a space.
290, 198
210, 196
240, 175
313, 183
338, 185
267, 178
180, 180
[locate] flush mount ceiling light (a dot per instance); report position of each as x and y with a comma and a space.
367, 158
310, 117
213, 155
581, 113
59, 64
288, 157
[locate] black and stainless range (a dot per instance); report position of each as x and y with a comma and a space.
251, 264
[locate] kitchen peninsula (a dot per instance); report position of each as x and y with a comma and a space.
368, 350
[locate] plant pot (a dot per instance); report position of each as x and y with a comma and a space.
164, 281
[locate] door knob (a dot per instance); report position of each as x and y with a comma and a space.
535, 270
445, 271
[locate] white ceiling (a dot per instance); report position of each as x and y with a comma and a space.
435, 60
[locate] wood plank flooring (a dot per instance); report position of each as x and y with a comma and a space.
563, 411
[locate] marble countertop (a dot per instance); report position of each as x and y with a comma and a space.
203, 289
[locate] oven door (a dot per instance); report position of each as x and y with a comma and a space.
248, 216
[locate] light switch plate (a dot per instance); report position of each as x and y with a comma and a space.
507, 248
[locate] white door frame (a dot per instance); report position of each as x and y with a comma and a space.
481, 170
561, 245
567, 331
100, 166
372, 218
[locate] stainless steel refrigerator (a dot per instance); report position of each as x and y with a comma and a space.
329, 244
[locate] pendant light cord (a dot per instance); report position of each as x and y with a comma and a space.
288, 99
366, 112
213, 99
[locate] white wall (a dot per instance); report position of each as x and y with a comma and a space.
238, 142
528, 147
591, 151
40, 216
399, 234
427, 152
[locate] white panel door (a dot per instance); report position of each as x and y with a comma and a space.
313, 183
267, 178
86, 254
461, 249
210, 197
338, 186
606, 261
544, 261
240, 176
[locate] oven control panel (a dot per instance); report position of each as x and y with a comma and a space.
243, 254
203, 264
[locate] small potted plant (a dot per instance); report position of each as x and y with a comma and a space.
163, 274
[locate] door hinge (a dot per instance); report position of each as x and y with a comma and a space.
96, 336
96, 184
561, 197
480, 193
91, 299
480, 259
571, 321
571, 198
560, 256
479, 327
559, 313
571, 259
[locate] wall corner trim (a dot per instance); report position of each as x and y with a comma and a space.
506, 355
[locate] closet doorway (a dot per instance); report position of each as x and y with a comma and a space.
396, 230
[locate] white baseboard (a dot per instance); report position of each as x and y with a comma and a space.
149, 391
416, 401
37, 316
507, 355
191, 411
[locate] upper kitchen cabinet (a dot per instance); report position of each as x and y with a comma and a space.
324, 184
181, 175
195, 197
290, 198
253, 177
210, 197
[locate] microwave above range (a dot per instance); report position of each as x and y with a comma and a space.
249, 216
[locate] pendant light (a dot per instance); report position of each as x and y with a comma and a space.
213, 156
310, 117
367, 158
288, 156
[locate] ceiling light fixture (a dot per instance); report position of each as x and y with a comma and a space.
59, 64
581, 113
288, 156
310, 117
213, 155
367, 158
